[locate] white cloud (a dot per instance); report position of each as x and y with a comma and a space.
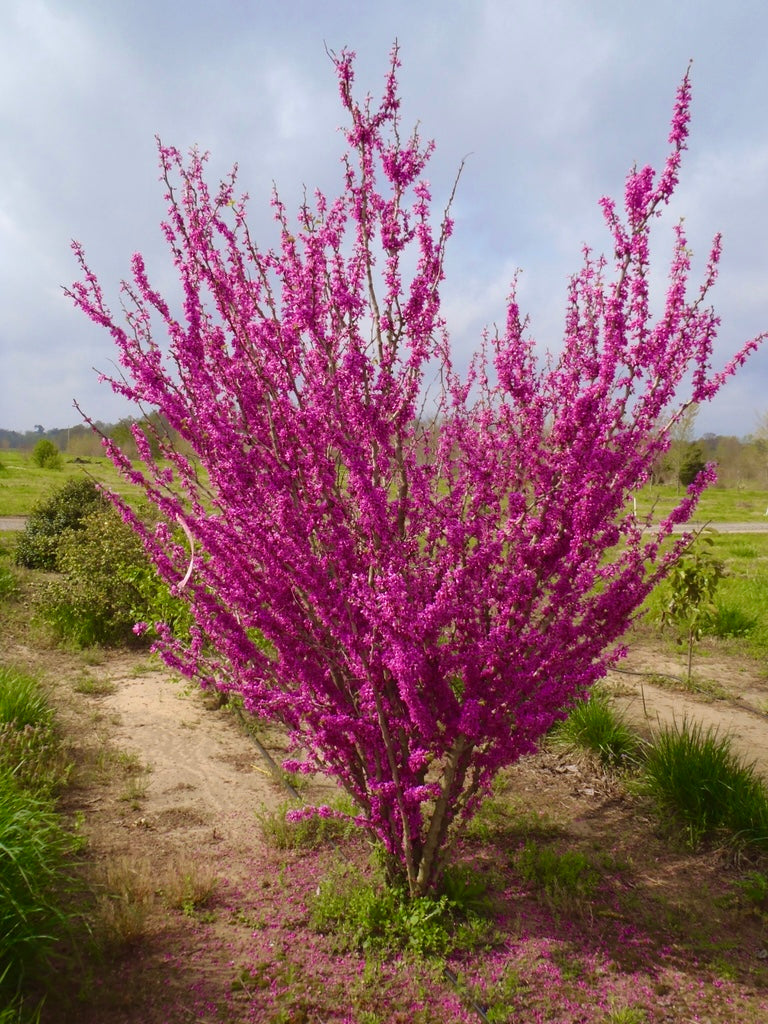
553, 100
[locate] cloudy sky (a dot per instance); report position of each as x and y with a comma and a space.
551, 100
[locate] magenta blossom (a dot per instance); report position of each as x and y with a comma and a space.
417, 584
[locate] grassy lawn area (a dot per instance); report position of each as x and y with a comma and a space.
23, 484
718, 504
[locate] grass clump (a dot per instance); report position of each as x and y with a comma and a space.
9, 587
365, 914
595, 726
731, 621
91, 686
35, 880
292, 826
190, 887
695, 776
22, 702
30, 749
130, 894
567, 879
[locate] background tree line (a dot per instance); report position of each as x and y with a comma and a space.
82, 441
742, 461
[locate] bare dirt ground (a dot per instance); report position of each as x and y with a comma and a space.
168, 785
730, 696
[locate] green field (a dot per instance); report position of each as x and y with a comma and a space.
23, 484
718, 504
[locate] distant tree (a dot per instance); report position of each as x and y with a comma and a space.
692, 464
681, 437
733, 468
83, 442
153, 431
761, 444
46, 455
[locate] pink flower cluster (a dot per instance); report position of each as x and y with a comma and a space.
417, 587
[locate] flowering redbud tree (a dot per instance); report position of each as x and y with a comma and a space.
416, 572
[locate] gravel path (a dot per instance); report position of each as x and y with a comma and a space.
12, 522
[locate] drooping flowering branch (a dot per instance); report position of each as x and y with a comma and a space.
416, 600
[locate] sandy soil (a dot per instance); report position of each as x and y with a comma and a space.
731, 696
206, 777
207, 781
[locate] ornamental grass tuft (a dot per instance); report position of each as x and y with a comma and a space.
695, 775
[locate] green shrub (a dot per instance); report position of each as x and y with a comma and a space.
46, 455
365, 914
595, 726
697, 778
107, 585
65, 509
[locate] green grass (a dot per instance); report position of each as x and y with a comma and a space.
34, 846
33, 877
595, 726
695, 777
741, 598
717, 505
23, 484
30, 748
568, 879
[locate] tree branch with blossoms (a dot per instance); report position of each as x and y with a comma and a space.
416, 600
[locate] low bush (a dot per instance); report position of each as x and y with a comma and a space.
107, 585
46, 455
291, 826
64, 510
695, 776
